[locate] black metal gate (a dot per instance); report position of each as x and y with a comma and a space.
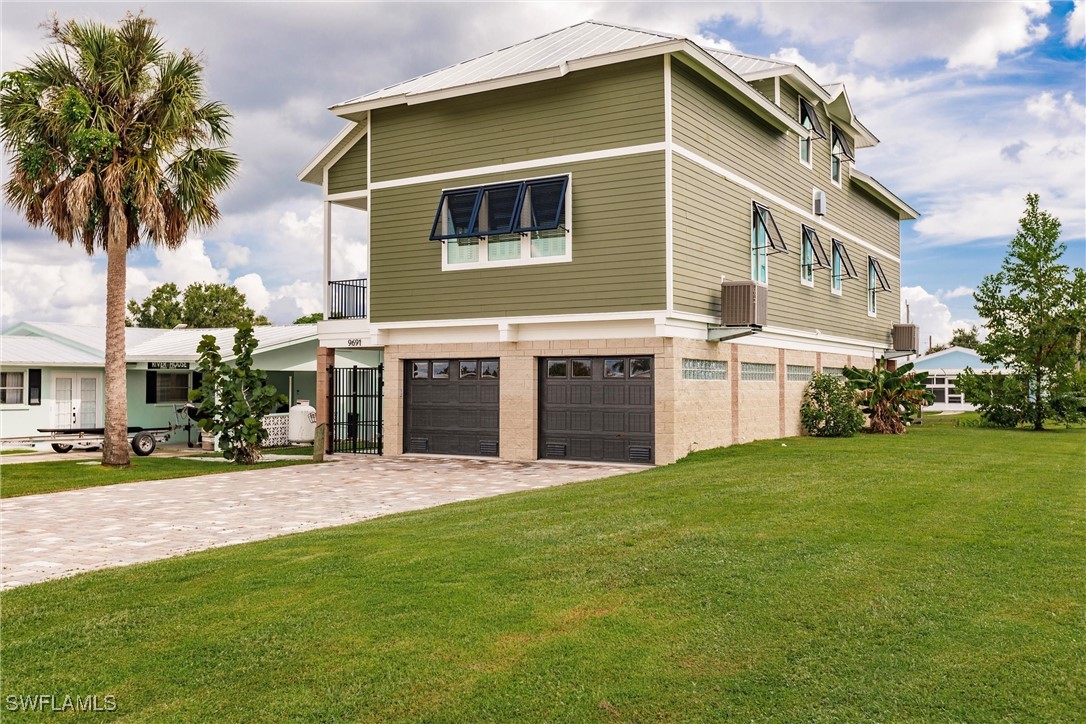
354, 404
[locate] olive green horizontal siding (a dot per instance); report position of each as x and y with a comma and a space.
349, 172
712, 238
713, 126
618, 250
609, 107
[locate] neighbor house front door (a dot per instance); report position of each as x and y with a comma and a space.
75, 401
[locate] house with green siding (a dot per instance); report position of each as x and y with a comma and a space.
606, 244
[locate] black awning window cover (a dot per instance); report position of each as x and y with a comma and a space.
807, 113
763, 221
818, 252
883, 284
505, 208
841, 146
848, 271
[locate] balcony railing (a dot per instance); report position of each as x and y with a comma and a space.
347, 299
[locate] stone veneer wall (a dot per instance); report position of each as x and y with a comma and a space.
690, 414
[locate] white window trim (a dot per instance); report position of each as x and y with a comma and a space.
25, 404
803, 244
526, 258
753, 251
809, 163
872, 295
837, 283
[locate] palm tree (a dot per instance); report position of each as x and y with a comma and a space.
113, 143
890, 397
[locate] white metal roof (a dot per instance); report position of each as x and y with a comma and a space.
181, 344
583, 40
89, 337
83, 344
747, 65
20, 350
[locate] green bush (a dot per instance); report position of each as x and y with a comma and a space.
829, 408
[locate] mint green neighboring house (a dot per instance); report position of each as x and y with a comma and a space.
53, 373
608, 244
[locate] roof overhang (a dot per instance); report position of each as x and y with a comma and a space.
712, 68
313, 172
876, 189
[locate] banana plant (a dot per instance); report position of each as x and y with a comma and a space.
890, 398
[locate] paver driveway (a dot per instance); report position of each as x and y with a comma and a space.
60, 534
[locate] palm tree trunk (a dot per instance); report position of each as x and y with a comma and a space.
115, 446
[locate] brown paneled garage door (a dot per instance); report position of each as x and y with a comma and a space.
451, 406
597, 408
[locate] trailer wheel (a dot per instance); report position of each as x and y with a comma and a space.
143, 444
57, 447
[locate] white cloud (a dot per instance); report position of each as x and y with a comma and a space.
932, 315
959, 292
252, 286
1076, 24
1065, 114
234, 255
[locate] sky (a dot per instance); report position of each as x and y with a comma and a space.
976, 104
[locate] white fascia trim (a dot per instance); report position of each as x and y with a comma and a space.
874, 187
521, 165
669, 192
654, 315
773, 198
319, 160
785, 332
347, 196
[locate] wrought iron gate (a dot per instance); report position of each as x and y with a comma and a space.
354, 404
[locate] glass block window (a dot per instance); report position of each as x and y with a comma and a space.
757, 372
704, 369
834, 371
799, 373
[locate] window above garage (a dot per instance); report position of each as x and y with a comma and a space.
504, 224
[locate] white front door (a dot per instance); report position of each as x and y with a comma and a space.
75, 401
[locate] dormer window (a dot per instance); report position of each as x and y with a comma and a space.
765, 239
809, 120
504, 224
840, 149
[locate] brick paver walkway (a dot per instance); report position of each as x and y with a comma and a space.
61, 534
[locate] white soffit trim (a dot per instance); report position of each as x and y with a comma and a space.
872, 186
521, 165
309, 174
772, 197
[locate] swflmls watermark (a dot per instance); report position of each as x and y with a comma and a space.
60, 702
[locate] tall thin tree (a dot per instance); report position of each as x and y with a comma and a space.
113, 143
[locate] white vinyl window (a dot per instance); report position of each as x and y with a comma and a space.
12, 388
809, 120
506, 224
835, 271
765, 239
840, 151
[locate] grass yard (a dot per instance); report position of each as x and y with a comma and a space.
17, 451
934, 576
51, 477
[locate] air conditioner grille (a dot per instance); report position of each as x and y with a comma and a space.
743, 304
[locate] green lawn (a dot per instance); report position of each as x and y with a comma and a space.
50, 477
934, 576
16, 451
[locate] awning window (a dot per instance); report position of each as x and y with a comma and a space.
818, 252
883, 285
520, 207
848, 271
841, 146
763, 222
809, 119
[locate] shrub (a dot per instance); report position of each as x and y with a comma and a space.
829, 408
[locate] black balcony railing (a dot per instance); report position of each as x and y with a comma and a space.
347, 299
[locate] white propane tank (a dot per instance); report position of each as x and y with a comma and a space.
303, 422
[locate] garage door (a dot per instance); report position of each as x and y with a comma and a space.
597, 408
451, 406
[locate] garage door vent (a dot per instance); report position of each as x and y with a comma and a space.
556, 450
640, 454
488, 447
419, 444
